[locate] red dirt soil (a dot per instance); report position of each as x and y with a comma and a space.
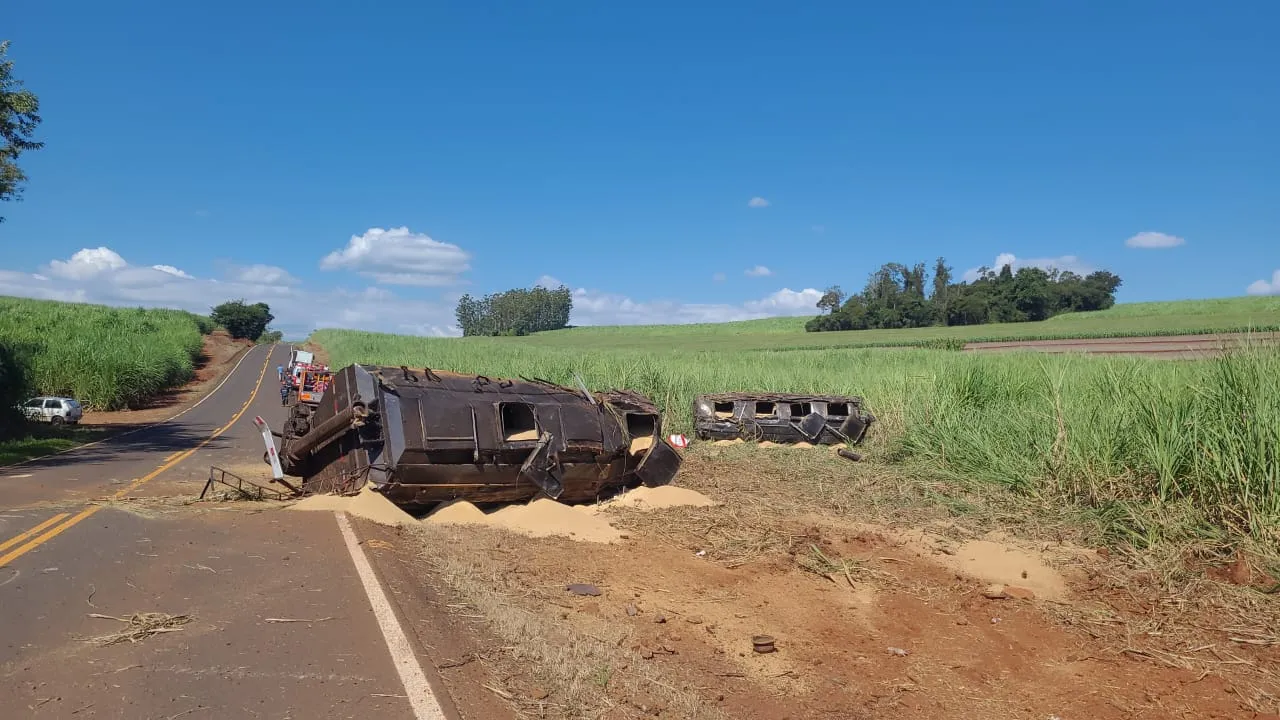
219, 354
688, 622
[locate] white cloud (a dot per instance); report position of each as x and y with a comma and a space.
101, 276
548, 282
400, 257
595, 307
263, 275
1262, 287
718, 277
758, 271
1154, 241
757, 202
171, 270
300, 310
787, 302
87, 263
1065, 263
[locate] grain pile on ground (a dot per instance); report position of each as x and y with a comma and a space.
366, 504
541, 518
657, 498
544, 517
995, 559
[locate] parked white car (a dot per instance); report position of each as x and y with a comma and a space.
53, 410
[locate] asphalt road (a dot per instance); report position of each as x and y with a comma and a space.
103, 530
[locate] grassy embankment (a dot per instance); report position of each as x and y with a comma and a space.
109, 358
1149, 449
1184, 317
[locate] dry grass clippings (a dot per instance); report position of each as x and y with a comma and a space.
140, 626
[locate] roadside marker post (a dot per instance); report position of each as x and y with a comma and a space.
276, 472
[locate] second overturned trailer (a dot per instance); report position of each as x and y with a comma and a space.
781, 417
422, 437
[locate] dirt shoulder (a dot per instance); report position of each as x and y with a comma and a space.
885, 596
218, 356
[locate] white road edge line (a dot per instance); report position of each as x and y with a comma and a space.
421, 699
171, 418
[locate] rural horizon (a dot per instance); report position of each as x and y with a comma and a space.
567, 362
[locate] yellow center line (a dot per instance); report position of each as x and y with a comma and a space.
23, 536
170, 462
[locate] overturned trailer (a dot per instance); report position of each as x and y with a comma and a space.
781, 418
422, 436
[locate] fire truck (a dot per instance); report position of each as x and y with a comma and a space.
305, 381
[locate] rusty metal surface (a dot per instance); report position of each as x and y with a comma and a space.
423, 436
781, 417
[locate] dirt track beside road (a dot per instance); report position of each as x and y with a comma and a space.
1165, 347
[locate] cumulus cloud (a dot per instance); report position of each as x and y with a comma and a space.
1262, 287
400, 257
172, 271
87, 263
757, 202
548, 282
1154, 241
596, 307
1065, 263
758, 271
100, 275
263, 275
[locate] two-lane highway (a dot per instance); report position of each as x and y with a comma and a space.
281, 620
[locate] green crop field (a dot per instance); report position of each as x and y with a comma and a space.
1183, 317
108, 358
1127, 438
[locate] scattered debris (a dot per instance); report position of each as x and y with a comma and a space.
237, 488
297, 620
781, 418
763, 643
632, 611
582, 589
849, 454
899, 652
141, 626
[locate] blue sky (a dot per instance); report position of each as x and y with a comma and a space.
430, 149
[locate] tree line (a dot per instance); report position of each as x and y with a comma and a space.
898, 296
19, 117
518, 311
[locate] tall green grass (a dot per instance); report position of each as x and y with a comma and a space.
108, 358
1123, 436
1183, 317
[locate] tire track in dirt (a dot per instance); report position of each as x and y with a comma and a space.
1164, 347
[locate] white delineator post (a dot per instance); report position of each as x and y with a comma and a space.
276, 471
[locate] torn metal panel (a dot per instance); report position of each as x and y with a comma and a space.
781, 417
426, 436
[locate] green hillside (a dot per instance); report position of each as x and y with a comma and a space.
1125, 320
